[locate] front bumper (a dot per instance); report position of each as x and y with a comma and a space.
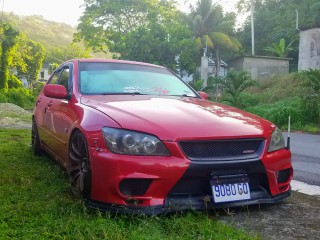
176, 183
185, 203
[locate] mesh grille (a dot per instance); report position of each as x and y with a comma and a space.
222, 149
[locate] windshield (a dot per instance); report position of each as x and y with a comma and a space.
121, 78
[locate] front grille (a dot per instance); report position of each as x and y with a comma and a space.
222, 149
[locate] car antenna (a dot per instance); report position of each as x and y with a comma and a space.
289, 130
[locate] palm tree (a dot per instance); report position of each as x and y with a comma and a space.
212, 29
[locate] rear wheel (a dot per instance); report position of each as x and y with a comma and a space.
79, 169
35, 140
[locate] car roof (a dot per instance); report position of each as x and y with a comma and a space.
115, 61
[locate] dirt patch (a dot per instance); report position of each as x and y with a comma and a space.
295, 218
13, 116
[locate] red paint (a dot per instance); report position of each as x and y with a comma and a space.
171, 119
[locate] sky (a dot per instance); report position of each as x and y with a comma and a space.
69, 11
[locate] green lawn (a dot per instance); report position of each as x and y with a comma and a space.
36, 204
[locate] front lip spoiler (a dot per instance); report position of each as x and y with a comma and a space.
181, 203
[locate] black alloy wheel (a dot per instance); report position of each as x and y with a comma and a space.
35, 140
79, 169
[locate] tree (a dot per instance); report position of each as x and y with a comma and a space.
213, 30
9, 39
276, 19
32, 57
140, 30
62, 54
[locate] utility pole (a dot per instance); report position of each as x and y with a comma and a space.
252, 28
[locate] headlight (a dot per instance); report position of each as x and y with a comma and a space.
276, 141
133, 143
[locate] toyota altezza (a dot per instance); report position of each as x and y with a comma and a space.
136, 138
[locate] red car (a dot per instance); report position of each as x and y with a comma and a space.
136, 138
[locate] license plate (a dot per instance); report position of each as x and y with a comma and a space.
230, 192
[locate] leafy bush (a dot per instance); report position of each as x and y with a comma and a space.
19, 96
14, 82
37, 88
280, 111
235, 84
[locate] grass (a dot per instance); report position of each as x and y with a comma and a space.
36, 204
26, 118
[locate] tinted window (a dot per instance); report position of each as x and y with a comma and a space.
55, 77
64, 78
120, 78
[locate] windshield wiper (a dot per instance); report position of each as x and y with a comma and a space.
121, 93
182, 95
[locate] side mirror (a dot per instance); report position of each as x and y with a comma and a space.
55, 91
204, 95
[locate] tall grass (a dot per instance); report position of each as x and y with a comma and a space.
19, 96
279, 97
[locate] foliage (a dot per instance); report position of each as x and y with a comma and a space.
19, 96
140, 30
281, 49
279, 112
8, 36
50, 34
61, 54
14, 82
38, 205
279, 97
20, 55
32, 56
313, 80
312, 99
274, 19
197, 84
37, 87
213, 29
235, 84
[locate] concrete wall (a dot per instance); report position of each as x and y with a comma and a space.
309, 49
261, 66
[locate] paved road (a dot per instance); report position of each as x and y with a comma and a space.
306, 157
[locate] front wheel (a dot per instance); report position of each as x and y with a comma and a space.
79, 169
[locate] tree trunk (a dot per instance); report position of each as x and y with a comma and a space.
4, 70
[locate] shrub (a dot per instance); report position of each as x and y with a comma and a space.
234, 86
19, 96
280, 111
14, 82
37, 88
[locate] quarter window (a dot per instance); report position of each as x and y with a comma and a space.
64, 78
54, 78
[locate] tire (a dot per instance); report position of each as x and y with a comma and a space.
35, 140
79, 168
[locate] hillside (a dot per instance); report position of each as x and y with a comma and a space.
50, 34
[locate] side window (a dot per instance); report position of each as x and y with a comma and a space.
64, 77
55, 77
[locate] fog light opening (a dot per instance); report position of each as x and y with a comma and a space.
134, 187
133, 201
283, 175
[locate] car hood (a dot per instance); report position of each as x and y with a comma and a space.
175, 118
